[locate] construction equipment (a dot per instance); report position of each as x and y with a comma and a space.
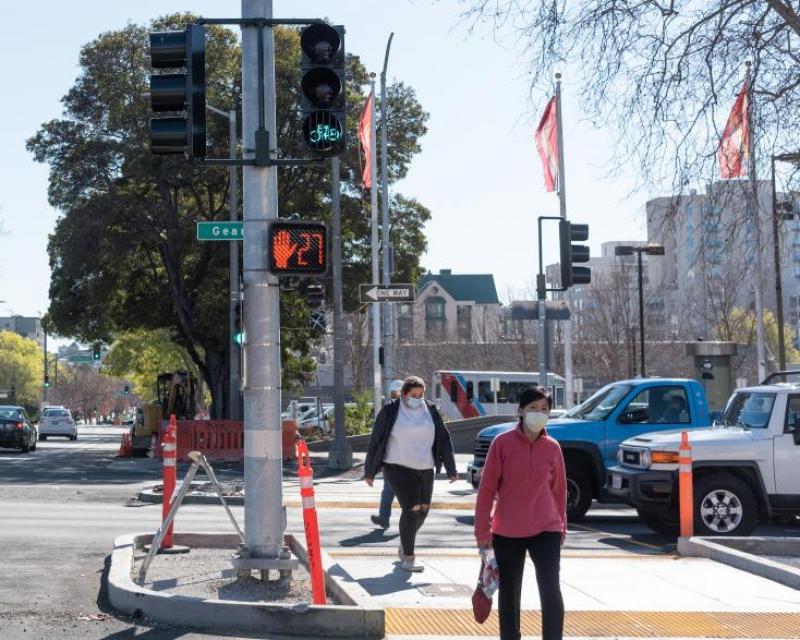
175, 393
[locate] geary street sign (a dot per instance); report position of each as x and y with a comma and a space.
224, 230
386, 293
80, 358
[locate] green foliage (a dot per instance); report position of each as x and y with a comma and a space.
740, 327
139, 356
358, 416
123, 255
21, 366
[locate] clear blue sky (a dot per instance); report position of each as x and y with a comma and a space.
478, 171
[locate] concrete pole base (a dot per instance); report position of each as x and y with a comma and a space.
340, 456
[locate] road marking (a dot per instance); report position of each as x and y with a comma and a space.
451, 623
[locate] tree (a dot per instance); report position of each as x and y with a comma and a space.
124, 255
739, 326
86, 390
21, 367
663, 73
141, 355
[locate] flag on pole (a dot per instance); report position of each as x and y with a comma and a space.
733, 154
547, 144
365, 125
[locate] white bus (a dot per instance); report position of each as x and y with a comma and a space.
469, 394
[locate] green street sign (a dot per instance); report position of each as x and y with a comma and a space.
227, 230
80, 358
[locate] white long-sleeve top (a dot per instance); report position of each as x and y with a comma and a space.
411, 442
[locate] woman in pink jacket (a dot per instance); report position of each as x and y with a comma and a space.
525, 481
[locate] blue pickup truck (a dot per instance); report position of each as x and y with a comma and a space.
590, 433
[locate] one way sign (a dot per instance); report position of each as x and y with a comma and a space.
386, 293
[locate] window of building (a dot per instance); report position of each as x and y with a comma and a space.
464, 318
405, 322
435, 321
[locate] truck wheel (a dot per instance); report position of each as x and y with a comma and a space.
579, 493
724, 506
43, 438
665, 522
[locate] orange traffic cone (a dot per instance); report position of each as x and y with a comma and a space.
125, 447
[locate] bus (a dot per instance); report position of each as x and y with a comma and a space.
468, 394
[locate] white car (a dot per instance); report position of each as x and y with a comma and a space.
57, 421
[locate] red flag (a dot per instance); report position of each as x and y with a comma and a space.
365, 139
733, 154
547, 144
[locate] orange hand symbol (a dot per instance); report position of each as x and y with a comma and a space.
282, 249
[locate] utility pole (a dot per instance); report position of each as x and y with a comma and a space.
778, 284
340, 455
234, 364
264, 515
375, 306
388, 324
46, 380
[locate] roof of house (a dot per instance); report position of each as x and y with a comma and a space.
474, 287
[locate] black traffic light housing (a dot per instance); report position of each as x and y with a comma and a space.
126, 390
322, 88
568, 233
315, 295
238, 330
46, 380
96, 352
184, 91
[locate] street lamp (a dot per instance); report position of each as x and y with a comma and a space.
795, 159
650, 250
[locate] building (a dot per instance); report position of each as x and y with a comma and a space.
708, 267
30, 328
451, 308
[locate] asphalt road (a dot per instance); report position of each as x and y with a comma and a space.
62, 506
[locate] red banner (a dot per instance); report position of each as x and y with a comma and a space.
547, 144
733, 154
365, 140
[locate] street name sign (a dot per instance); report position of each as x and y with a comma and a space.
225, 230
88, 358
386, 293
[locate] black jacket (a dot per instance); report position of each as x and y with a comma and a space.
384, 423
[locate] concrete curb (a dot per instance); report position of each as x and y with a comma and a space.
352, 617
741, 553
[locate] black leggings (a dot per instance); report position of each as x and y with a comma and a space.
413, 488
545, 551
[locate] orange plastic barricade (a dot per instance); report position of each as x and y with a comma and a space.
685, 491
289, 433
310, 521
169, 452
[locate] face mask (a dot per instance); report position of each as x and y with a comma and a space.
534, 422
413, 403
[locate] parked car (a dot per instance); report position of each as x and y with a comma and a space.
16, 429
57, 421
745, 468
590, 433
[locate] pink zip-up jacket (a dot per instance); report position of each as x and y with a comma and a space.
526, 483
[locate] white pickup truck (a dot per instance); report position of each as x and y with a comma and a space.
746, 468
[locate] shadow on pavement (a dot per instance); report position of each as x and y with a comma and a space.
376, 536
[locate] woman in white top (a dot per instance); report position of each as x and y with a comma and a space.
408, 440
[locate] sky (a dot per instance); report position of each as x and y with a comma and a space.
478, 171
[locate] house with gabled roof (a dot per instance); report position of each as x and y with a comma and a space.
451, 308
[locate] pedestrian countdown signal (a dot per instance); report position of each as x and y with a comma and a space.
297, 248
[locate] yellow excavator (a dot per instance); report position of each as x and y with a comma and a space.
175, 393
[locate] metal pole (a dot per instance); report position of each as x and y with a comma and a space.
340, 455
757, 280
233, 279
375, 307
641, 316
263, 509
541, 296
778, 284
45, 367
562, 197
388, 328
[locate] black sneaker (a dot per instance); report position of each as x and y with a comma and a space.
378, 522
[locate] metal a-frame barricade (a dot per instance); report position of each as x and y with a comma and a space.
198, 460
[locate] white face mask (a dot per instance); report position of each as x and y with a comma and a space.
534, 422
413, 403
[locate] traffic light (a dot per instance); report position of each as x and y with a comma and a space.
126, 390
572, 253
184, 91
297, 248
315, 295
46, 380
238, 332
322, 88
96, 352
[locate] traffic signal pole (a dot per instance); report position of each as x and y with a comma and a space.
388, 320
375, 306
234, 366
264, 516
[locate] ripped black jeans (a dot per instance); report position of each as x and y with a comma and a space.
413, 488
